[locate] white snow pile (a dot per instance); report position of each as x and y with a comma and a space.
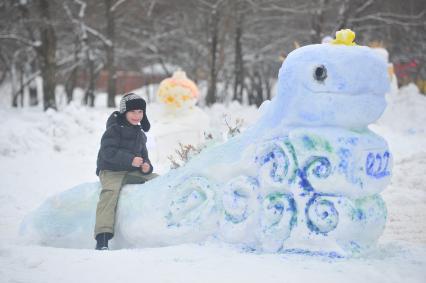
44, 153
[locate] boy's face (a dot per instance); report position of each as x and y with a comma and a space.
134, 117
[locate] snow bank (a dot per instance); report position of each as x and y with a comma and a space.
30, 177
33, 171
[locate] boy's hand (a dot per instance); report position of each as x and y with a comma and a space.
145, 167
137, 162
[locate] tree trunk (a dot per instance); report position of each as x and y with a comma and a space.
18, 96
89, 96
110, 66
31, 68
259, 88
212, 82
70, 85
48, 56
268, 88
72, 79
344, 12
14, 87
33, 95
239, 64
32, 87
4, 61
318, 21
22, 87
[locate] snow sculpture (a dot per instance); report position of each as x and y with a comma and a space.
306, 177
181, 121
178, 92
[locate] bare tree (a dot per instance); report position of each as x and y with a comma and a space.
216, 14
31, 66
47, 51
239, 53
86, 57
234, 47
45, 47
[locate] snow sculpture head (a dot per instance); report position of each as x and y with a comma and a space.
178, 92
332, 85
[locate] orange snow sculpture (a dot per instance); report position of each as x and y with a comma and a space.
178, 92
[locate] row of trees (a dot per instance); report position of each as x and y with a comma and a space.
236, 46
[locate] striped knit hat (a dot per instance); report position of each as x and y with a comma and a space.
132, 101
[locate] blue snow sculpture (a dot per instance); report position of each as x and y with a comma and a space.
306, 177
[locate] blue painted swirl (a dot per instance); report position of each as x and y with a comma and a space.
316, 166
240, 199
276, 208
193, 198
277, 218
278, 163
321, 214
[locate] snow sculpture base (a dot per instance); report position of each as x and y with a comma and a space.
187, 127
332, 178
311, 191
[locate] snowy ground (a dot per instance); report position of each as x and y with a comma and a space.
43, 153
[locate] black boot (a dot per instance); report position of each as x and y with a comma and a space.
102, 241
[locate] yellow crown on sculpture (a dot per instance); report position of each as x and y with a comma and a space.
178, 92
344, 37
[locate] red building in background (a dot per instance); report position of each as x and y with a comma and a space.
127, 80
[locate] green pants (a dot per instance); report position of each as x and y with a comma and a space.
112, 182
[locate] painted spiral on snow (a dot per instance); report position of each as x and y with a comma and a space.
321, 214
240, 204
278, 163
315, 167
193, 198
239, 199
278, 217
276, 207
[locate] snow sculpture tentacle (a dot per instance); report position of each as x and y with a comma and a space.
192, 200
240, 204
186, 210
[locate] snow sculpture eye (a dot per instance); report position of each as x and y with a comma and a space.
320, 73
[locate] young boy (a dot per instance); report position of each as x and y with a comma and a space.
122, 159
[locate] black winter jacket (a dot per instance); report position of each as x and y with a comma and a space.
120, 143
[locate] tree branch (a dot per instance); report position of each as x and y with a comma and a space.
115, 6
393, 19
35, 44
364, 6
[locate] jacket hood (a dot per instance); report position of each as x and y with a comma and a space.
114, 119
